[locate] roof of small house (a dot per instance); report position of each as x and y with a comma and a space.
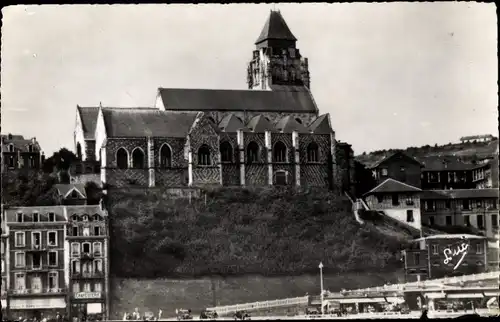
292, 99
393, 186
447, 163
66, 189
391, 156
143, 122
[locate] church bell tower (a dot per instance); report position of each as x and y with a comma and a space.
276, 61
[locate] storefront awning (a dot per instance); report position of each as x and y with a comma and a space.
438, 295
94, 308
40, 303
465, 296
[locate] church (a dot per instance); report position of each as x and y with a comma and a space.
270, 134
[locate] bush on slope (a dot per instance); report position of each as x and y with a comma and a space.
236, 231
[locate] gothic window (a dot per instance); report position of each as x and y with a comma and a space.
137, 159
165, 156
226, 152
312, 152
252, 152
279, 152
122, 158
204, 155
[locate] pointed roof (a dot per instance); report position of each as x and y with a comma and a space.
320, 125
231, 123
288, 124
393, 186
65, 189
401, 154
259, 124
275, 28
88, 116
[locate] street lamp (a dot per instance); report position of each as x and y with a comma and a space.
321, 281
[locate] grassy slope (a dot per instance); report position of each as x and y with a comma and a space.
465, 150
240, 231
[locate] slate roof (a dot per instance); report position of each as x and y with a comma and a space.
447, 163
379, 162
294, 99
259, 124
288, 124
43, 211
275, 28
65, 189
19, 142
460, 194
88, 116
85, 210
231, 123
390, 185
143, 122
320, 125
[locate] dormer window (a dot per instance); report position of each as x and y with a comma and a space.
384, 172
74, 217
11, 147
74, 194
85, 218
96, 217
30, 148
36, 217
20, 217
52, 217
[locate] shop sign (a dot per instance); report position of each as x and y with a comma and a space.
87, 295
23, 304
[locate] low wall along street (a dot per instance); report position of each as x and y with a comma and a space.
150, 295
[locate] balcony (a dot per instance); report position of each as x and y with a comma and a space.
87, 255
87, 275
37, 291
36, 249
41, 268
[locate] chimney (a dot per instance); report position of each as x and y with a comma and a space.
33, 140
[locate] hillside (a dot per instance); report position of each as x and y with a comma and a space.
238, 231
467, 151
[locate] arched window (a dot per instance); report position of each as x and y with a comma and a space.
226, 152
252, 152
122, 158
97, 217
137, 159
165, 156
11, 147
204, 155
312, 152
78, 151
279, 152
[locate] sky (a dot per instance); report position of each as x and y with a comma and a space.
391, 75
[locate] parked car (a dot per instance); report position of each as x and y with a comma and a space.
208, 314
241, 315
183, 314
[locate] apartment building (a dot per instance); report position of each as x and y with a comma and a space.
87, 241
476, 208
36, 281
439, 256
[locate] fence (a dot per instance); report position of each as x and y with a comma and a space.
433, 282
261, 305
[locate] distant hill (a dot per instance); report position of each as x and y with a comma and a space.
467, 151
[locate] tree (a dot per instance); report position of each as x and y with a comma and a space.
94, 193
27, 190
364, 180
60, 160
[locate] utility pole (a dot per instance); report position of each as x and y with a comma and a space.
321, 281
